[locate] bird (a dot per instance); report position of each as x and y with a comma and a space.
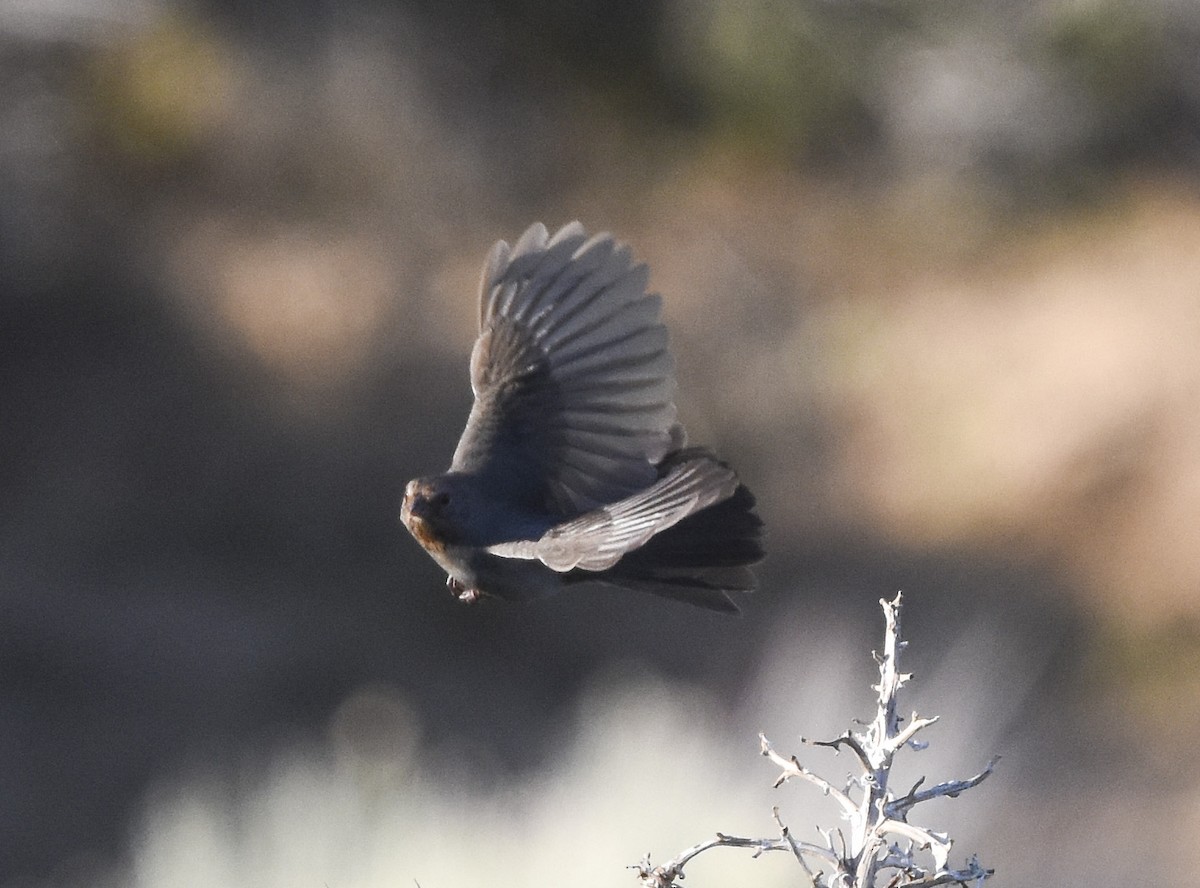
573, 466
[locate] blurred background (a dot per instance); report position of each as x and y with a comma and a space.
932, 274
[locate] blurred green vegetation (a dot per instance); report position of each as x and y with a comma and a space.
794, 83
158, 94
789, 78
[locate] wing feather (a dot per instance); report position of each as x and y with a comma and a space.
598, 539
589, 312
574, 385
577, 337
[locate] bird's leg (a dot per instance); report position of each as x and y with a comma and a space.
461, 592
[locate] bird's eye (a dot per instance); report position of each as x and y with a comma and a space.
442, 500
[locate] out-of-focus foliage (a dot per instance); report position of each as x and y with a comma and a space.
788, 77
158, 94
1121, 56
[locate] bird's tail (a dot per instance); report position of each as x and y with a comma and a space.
700, 559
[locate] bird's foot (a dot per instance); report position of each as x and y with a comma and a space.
461, 592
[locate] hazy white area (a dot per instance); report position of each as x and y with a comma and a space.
653, 766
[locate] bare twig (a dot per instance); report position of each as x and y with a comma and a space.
847, 739
790, 768
879, 839
666, 874
949, 789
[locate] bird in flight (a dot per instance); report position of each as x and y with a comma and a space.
573, 467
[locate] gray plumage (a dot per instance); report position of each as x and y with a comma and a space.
572, 458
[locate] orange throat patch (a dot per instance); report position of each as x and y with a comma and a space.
424, 534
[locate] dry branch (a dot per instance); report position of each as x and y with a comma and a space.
878, 846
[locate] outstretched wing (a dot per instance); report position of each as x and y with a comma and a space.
599, 539
574, 386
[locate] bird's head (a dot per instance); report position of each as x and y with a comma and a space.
437, 510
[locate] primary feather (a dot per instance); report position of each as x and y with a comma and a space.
574, 386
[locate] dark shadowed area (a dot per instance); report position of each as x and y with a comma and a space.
932, 276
